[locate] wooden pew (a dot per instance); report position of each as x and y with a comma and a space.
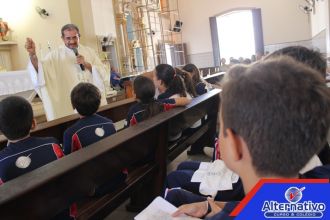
215, 79
115, 111
46, 191
212, 75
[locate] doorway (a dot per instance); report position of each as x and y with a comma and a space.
236, 34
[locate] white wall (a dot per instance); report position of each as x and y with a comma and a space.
88, 23
94, 17
76, 17
319, 18
104, 19
282, 21
320, 22
26, 22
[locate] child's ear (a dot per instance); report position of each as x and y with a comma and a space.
34, 124
235, 142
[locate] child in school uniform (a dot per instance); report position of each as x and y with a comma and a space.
201, 87
173, 83
168, 83
187, 82
182, 176
185, 170
315, 60
91, 127
23, 152
147, 105
254, 128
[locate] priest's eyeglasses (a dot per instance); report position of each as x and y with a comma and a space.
74, 38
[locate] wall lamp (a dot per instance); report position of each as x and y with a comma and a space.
42, 12
307, 9
310, 7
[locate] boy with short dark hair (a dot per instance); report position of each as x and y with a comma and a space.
90, 128
277, 110
310, 57
23, 153
315, 60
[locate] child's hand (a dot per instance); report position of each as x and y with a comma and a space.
214, 207
197, 209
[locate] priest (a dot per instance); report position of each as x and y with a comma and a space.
60, 70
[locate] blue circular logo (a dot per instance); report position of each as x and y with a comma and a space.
294, 194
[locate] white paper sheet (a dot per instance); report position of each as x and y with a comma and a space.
159, 208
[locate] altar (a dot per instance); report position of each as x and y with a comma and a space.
18, 83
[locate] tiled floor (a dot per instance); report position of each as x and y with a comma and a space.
121, 213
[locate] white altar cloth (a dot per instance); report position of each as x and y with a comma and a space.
14, 82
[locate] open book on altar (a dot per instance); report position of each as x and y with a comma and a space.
159, 208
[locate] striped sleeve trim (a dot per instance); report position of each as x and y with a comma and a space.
75, 144
168, 107
58, 151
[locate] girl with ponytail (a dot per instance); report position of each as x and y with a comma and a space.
188, 82
200, 85
168, 83
147, 106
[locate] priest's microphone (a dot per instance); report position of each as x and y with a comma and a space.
82, 67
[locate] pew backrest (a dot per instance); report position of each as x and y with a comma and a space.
47, 190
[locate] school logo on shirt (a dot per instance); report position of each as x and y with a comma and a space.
99, 132
293, 208
23, 162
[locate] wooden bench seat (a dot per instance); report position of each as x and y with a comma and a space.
46, 191
99, 207
176, 148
